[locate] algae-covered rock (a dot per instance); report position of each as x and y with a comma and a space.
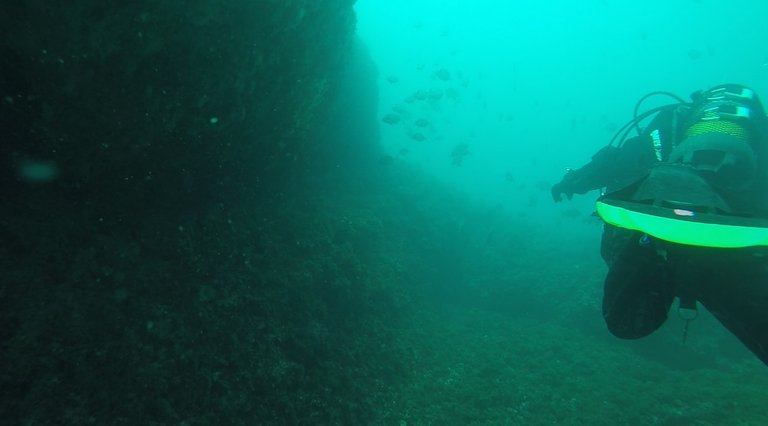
164, 103
147, 152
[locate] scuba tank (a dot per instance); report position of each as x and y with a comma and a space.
725, 140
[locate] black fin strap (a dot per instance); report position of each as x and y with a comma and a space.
687, 311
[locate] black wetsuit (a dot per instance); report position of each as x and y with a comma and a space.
646, 274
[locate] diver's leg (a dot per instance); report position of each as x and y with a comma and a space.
613, 242
638, 290
738, 298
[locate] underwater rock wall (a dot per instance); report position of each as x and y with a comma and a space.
163, 103
349, 136
159, 266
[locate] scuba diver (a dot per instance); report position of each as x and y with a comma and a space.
685, 212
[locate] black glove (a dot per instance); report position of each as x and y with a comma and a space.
563, 187
558, 190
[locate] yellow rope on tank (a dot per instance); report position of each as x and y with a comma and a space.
718, 126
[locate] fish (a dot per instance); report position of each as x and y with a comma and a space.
386, 160
694, 54
391, 118
400, 110
435, 94
418, 137
459, 152
442, 74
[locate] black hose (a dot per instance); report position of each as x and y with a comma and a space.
633, 123
658, 92
636, 119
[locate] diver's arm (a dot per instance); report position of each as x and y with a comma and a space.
609, 167
615, 167
593, 175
